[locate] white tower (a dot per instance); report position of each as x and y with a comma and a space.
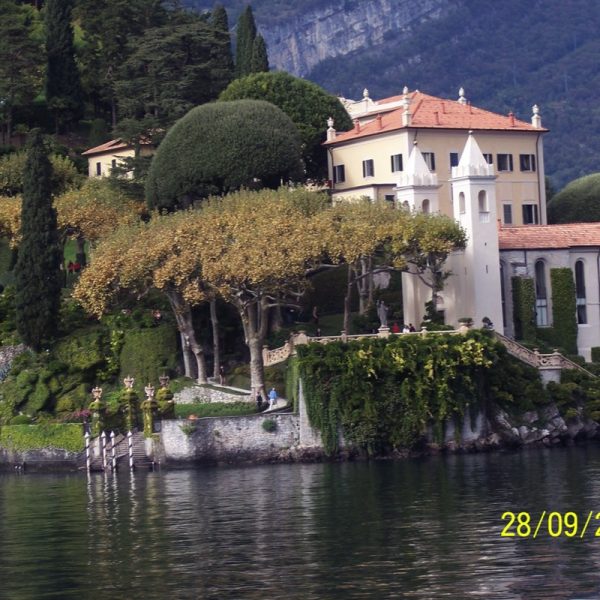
417, 190
477, 269
418, 187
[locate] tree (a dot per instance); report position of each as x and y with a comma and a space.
305, 103
578, 202
112, 30
246, 33
37, 272
423, 244
156, 255
217, 148
63, 86
223, 67
260, 60
19, 62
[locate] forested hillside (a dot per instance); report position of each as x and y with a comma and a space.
507, 55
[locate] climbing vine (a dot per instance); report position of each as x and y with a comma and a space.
385, 394
523, 292
564, 309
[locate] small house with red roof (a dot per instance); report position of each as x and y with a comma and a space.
105, 157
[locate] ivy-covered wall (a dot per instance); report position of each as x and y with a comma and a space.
564, 311
523, 293
385, 393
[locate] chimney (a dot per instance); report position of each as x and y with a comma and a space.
511, 119
379, 120
536, 119
331, 133
461, 96
356, 126
406, 117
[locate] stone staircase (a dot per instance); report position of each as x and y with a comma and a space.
140, 460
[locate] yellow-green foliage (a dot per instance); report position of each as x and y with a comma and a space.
63, 436
386, 393
83, 350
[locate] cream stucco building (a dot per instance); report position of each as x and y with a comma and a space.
102, 159
484, 169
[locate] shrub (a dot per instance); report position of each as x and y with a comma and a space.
215, 409
195, 159
269, 425
37, 437
523, 292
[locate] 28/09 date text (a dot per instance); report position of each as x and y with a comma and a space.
553, 524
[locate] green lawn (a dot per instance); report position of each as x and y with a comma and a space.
215, 409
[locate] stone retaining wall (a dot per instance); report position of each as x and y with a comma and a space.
200, 393
44, 459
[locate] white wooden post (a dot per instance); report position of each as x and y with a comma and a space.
130, 446
103, 443
88, 461
113, 452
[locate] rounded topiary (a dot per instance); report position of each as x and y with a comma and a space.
578, 202
220, 147
305, 103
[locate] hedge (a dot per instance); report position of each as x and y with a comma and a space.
61, 436
523, 293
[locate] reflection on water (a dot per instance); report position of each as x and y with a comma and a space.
414, 529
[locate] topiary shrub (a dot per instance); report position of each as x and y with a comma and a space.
564, 309
220, 147
577, 202
523, 295
148, 353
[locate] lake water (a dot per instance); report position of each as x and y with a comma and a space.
421, 529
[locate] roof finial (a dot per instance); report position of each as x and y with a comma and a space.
331, 133
405, 90
365, 93
406, 117
461, 96
536, 119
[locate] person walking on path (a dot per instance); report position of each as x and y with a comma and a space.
272, 398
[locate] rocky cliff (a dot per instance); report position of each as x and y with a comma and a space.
342, 27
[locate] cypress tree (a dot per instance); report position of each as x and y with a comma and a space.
260, 60
222, 69
37, 272
63, 85
246, 32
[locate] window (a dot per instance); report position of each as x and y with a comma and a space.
527, 162
368, 168
505, 162
453, 159
541, 297
98, 168
339, 174
580, 292
113, 163
429, 158
425, 206
461, 203
507, 213
390, 198
530, 214
489, 158
397, 163
484, 211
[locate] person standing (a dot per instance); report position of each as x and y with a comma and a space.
272, 398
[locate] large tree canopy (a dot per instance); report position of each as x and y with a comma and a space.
578, 202
217, 148
305, 103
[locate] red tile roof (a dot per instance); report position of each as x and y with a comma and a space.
549, 236
110, 147
435, 113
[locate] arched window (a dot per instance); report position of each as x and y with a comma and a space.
425, 206
461, 203
580, 292
484, 211
541, 295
